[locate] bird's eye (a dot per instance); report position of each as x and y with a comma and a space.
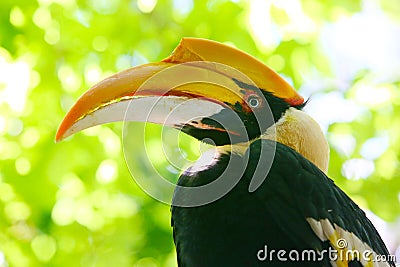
253, 101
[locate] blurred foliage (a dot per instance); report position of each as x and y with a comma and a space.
75, 203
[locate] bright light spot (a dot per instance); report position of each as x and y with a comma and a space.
266, 30
30, 137
120, 206
66, 102
85, 215
105, 6
107, 172
35, 79
124, 62
343, 143
358, 168
373, 148
52, 35
299, 24
100, 43
110, 141
17, 17
9, 150
100, 198
23, 166
93, 131
2, 260
83, 212
15, 254
332, 107
17, 211
15, 127
4, 55
387, 164
146, 6
42, 17
92, 74
182, 8
2, 124
373, 95
63, 211
276, 62
261, 25
138, 59
69, 79
6, 192
83, 17
71, 186
16, 78
365, 40
22, 231
44, 247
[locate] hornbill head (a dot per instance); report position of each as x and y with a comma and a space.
208, 90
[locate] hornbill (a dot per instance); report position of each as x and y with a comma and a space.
264, 198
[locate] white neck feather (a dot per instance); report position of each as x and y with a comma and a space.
299, 131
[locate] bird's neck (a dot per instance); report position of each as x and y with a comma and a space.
299, 131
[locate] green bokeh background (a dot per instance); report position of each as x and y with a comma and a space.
75, 203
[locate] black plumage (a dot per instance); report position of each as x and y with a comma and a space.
231, 230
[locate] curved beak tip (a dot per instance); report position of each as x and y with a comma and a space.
59, 135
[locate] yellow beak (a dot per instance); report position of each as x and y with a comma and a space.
197, 69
